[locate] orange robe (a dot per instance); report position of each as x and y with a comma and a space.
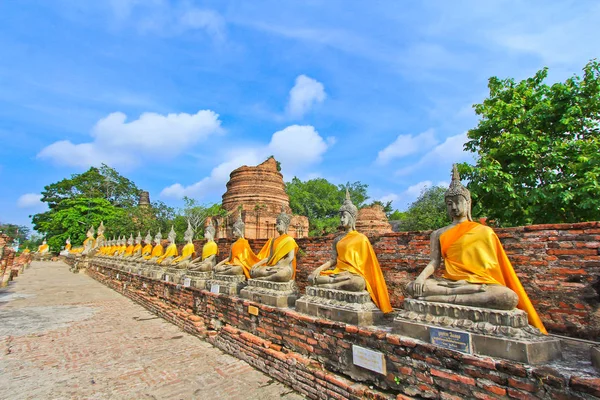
209, 249
355, 255
157, 251
279, 248
136, 248
43, 248
472, 252
147, 250
242, 255
188, 250
128, 251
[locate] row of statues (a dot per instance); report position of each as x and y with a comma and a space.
476, 270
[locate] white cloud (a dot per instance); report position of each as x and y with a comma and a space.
402, 200
304, 95
297, 147
405, 145
30, 200
121, 143
442, 156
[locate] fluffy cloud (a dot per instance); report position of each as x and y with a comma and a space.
405, 145
305, 93
403, 199
30, 200
296, 147
121, 143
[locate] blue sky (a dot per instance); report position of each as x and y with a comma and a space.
177, 94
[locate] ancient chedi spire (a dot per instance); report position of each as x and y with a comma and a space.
144, 200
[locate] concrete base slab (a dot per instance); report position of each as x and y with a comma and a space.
227, 284
276, 294
197, 279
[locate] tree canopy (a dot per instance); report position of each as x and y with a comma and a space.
320, 201
538, 150
428, 212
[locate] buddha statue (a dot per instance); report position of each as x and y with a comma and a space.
171, 252
129, 248
137, 249
65, 251
241, 257
147, 249
122, 247
89, 243
43, 248
157, 250
477, 272
188, 251
208, 259
100, 239
279, 265
353, 266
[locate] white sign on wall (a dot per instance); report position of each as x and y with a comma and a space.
368, 359
187, 282
214, 288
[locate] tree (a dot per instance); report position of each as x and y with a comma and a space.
320, 201
104, 182
387, 207
428, 212
197, 215
14, 231
538, 150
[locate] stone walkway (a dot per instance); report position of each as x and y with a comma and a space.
65, 336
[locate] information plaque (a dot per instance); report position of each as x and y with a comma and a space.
166, 278
368, 359
214, 288
187, 282
453, 340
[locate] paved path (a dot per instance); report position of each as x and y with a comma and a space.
66, 336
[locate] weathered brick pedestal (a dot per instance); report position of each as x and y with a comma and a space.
355, 308
196, 279
276, 294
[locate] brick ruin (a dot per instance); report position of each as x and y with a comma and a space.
11, 265
372, 221
260, 192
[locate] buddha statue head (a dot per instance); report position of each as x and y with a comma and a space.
348, 213
68, 241
157, 238
209, 231
172, 235
90, 232
238, 227
130, 240
138, 238
188, 235
101, 228
283, 221
458, 198
148, 238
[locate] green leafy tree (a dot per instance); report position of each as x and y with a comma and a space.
14, 231
320, 201
387, 207
538, 150
428, 212
196, 214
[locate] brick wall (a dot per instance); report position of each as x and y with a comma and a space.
313, 355
559, 266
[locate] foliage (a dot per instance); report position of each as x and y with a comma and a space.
196, 214
387, 207
14, 231
32, 243
538, 149
320, 201
73, 217
428, 212
103, 182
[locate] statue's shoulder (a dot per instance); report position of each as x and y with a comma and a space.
438, 232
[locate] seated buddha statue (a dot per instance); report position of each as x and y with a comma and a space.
146, 249
43, 248
89, 243
65, 251
188, 251
477, 272
121, 247
129, 248
171, 252
207, 261
100, 239
157, 250
241, 257
279, 265
137, 249
353, 265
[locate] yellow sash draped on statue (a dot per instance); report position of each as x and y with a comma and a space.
147, 250
68, 246
472, 252
128, 251
209, 249
171, 252
157, 251
137, 248
242, 255
43, 248
188, 250
265, 251
282, 246
355, 255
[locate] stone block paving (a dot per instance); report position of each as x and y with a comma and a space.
66, 336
